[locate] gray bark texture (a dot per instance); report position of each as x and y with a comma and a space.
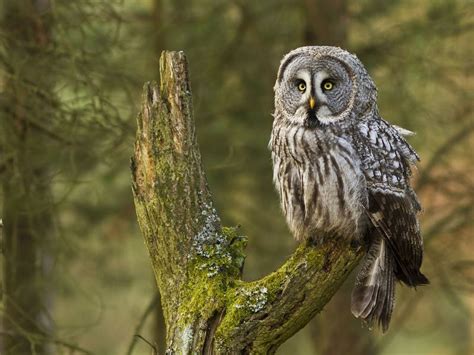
197, 263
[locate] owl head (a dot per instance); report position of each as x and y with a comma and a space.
322, 85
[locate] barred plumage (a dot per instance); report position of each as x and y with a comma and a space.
318, 182
340, 169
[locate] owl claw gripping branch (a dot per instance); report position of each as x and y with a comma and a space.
340, 169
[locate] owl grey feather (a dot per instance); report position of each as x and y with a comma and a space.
341, 170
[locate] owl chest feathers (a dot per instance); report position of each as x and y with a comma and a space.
318, 177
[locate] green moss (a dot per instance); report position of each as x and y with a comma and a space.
203, 296
211, 272
237, 245
248, 298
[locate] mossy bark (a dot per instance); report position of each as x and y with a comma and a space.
197, 263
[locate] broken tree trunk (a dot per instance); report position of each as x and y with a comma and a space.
197, 263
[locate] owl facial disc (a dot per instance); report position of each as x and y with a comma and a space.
315, 89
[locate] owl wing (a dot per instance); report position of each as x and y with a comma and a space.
393, 205
394, 219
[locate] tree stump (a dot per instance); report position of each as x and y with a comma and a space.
197, 263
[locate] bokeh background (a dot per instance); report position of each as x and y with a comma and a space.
76, 275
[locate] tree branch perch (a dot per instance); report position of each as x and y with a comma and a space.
197, 263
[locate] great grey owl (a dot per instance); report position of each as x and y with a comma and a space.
342, 170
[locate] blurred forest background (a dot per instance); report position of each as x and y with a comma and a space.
75, 273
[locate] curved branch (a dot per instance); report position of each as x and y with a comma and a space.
265, 313
197, 263
155, 301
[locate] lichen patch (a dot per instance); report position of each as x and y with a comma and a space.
211, 244
253, 299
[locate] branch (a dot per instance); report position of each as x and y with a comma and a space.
265, 313
197, 263
151, 306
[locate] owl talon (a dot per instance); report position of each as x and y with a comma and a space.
356, 244
315, 241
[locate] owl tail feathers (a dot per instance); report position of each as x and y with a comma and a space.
413, 278
373, 296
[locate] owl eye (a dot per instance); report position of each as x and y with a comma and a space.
327, 85
301, 86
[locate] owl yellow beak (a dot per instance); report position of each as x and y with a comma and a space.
312, 102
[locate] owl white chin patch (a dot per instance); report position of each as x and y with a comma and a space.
326, 116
